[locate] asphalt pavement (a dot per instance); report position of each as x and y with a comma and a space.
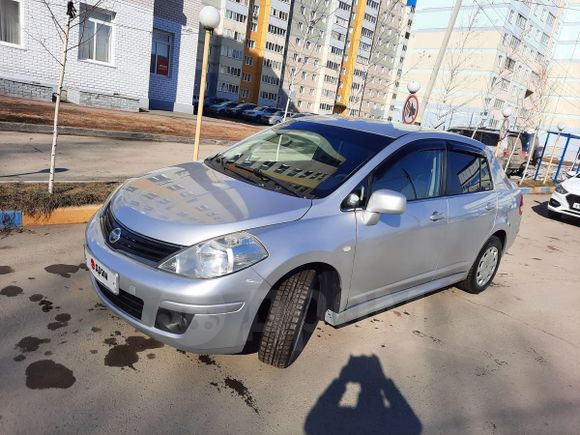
26, 157
504, 361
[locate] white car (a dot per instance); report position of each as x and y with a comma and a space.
566, 198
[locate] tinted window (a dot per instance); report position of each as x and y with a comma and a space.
301, 158
416, 175
467, 173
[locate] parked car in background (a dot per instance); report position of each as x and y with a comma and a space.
220, 109
302, 114
566, 198
519, 145
207, 102
254, 114
274, 118
236, 111
316, 218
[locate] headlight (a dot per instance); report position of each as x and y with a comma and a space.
560, 189
217, 257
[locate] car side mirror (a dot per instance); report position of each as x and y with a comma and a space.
384, 201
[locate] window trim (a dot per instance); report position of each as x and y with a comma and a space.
169, 56
113, 40
21, 29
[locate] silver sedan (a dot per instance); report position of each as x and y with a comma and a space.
314, 219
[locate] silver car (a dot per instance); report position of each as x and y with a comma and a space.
317, 218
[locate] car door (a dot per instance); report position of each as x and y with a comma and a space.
472, 207
401, 251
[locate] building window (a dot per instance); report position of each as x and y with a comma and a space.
160, 52
95, 34
248, 60
10, 21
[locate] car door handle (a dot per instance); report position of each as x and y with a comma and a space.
490, 206
436, 216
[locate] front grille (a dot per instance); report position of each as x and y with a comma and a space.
134, 244
124, 301
573, 199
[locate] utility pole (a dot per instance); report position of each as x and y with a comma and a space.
439, 60
71, 13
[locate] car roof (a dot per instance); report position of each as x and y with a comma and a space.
393, 130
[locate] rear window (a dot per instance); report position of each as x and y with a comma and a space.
467, 173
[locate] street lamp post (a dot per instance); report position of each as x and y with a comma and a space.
209, 17
560, 128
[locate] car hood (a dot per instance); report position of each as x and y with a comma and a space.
189, 203
572, 185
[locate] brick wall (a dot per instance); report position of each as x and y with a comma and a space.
126, 76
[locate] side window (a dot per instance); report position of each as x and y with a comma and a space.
416, 175
467, 173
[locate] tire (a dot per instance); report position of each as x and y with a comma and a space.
476, 282
285, 323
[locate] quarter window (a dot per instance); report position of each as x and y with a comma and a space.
416, 175
10, 21
467, 173
95, 34
160, 52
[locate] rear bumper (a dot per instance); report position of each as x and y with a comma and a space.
224, 308
559, 203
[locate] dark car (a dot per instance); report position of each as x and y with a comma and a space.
220, 108
518, 142
236, 112
209, 101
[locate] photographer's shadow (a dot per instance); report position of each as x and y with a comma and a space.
379, 408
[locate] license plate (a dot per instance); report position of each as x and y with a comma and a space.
576, 205
102, 273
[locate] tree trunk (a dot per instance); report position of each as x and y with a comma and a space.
57, 106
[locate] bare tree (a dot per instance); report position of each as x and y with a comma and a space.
71, 20
457, 59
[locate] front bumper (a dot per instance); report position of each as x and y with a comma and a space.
559, 204
224, 308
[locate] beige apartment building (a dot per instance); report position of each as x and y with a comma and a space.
499, 55
325, 56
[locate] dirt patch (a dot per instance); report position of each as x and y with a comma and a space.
48, 374
11, 291
207, 360
64, 270
5, 270
71, 115
241, 390
30, 344
126, 355
34, 199
61, 321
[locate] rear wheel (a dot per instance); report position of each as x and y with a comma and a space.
284, 331
484, 268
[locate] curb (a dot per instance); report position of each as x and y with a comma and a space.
537, 189
59, 216
126, 135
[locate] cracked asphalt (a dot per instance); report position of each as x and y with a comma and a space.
504, 361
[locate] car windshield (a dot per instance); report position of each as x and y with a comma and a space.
302, 159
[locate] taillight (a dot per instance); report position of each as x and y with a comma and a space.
525, 154
505, 153
521, 204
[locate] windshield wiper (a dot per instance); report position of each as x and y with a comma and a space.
277, 183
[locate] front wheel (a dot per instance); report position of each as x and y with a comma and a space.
283, 336
484, 268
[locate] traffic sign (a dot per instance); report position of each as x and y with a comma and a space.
410, 109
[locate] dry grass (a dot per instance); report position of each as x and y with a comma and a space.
34, 199
535, 183
41, 112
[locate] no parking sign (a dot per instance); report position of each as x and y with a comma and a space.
410, 109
